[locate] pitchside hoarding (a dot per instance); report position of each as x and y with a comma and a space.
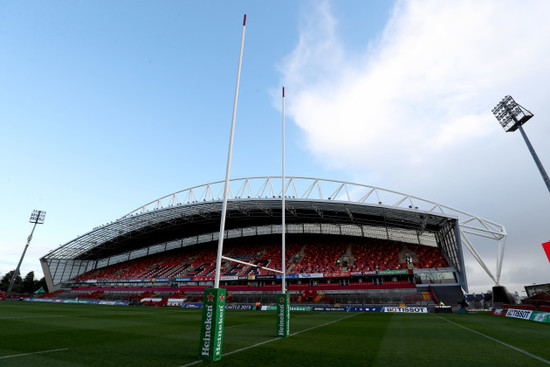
519, 314
537, 316
351, 309
406, 309
541, 317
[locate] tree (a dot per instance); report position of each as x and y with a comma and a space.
28, 283
5, 282
22, 285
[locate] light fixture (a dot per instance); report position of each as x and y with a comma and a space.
511, 116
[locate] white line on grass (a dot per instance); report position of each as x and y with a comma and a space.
296, 333
30, 317
328, 323
29, 354
498, 341
271, 340
229, 327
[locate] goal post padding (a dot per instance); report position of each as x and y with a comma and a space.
213, 315
283, 315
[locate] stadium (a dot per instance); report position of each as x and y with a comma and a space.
347, 243
373, 262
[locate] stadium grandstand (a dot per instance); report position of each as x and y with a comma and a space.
346, 243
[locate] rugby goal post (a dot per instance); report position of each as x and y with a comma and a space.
213, 312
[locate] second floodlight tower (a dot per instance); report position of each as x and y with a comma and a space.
37, 217
511, 116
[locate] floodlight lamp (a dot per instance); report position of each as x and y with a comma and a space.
38, 216
510, 114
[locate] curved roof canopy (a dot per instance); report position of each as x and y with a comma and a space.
256, 201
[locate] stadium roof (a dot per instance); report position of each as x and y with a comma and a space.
256, 202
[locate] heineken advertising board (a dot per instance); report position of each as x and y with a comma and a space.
393, 272
213, 312
541, 317
292, 308
283, 315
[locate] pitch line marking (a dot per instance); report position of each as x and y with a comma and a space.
30, 317
271, 340
29, 354
498, 341
239, 325
325, 324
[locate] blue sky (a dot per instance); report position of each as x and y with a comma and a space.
105, 106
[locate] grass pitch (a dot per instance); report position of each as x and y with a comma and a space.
40, 334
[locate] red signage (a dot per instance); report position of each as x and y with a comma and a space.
546, 247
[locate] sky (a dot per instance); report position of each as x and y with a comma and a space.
106, 106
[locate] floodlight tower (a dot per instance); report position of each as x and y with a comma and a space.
512, 116
37, 217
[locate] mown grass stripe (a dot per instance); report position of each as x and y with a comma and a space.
497, 341
325, 324
271, 340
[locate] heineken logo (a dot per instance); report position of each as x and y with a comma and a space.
207, 331
220, 329
221, 298
281, 320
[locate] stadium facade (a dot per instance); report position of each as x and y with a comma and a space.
314, 207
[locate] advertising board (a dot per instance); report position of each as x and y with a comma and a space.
519, 314
406, 309
541, 317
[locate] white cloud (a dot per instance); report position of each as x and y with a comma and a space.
318, 51
414, 110
436, 71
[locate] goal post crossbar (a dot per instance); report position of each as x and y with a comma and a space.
250, 264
